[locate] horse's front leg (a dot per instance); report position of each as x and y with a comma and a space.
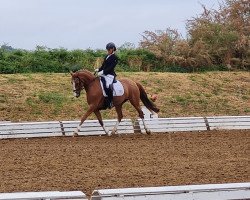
99, 117
84, 117
120, 116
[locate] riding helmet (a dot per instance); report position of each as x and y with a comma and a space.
111, 45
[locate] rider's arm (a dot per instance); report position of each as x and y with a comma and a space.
103, 64
110, 64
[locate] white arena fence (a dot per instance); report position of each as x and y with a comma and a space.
54, 195
92, 127
234, 191
231, 191
60, 128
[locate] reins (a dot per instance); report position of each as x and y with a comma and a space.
82, 83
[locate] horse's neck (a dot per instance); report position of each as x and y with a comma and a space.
87, 78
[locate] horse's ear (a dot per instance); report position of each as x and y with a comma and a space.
71, 73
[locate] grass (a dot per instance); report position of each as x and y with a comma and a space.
3, 98
51, 97
40, 97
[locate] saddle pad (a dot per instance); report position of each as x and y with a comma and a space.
118, 89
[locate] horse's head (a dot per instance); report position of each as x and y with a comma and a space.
77, 84
81, 79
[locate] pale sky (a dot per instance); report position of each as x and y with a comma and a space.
81, 24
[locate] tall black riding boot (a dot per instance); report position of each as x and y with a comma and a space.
110, 96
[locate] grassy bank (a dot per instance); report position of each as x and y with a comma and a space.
40, 97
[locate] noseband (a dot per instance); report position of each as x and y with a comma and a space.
81, 84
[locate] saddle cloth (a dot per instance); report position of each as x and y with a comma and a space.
118, 89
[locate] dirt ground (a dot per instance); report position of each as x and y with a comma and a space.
88, 163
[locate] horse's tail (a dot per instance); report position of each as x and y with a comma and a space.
145, 100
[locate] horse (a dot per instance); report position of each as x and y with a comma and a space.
133, 92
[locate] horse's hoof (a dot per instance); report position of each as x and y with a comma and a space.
148, 132
75, 134
109, 134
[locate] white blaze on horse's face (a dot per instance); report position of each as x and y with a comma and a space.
74, 88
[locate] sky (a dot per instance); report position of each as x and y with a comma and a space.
82, 24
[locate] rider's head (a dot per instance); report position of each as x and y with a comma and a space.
110, 47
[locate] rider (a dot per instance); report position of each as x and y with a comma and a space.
107, 71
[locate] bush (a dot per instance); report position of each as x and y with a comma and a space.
44, 59
216, 38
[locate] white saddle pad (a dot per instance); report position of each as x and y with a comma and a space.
117, 91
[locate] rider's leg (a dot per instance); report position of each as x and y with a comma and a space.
104, 84
109, 81
110, 95
106, 89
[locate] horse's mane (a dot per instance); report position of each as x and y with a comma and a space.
85, 71
85, 74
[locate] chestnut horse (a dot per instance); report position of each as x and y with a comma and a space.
133, 92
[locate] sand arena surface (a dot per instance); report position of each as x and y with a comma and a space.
88, 163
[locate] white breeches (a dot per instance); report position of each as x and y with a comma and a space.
109, 79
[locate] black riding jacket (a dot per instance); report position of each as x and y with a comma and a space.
108, 65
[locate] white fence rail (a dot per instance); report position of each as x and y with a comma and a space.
162, 125
56, 195
236, 191
229, 122
5, 122
92, 127
30, 129
230, 191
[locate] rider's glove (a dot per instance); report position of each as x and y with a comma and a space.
97, 70
100, 73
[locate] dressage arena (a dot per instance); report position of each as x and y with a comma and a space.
135, 160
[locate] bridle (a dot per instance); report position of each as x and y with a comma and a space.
81, 83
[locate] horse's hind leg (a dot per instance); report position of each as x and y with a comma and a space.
120, 116
99, 117
137, 106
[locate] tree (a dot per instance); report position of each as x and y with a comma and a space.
225, 32
127, 46
6, 47
160, 43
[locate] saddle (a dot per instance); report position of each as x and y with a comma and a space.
115, 89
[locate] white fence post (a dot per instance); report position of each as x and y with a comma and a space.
148, 114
